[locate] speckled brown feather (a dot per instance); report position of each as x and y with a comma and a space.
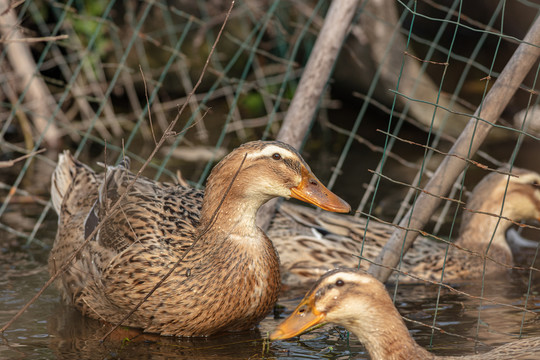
228, 281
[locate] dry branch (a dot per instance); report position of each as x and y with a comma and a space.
8, 163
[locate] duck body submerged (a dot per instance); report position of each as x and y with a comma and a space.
229, 278
311, 243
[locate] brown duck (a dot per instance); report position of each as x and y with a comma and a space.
232, 267
310, 242
360, 303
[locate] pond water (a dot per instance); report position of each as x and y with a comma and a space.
52, 330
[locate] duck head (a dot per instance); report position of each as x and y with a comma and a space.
361, 304
261, 170
345, 297
520, 192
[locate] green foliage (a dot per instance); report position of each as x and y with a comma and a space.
252, 104
85, 22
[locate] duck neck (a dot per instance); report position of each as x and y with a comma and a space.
386, 337
483, 231
230, 211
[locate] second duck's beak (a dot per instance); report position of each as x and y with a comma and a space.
303, 317
311, 190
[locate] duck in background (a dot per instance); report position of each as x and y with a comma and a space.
224, 271
310, 243
361, 304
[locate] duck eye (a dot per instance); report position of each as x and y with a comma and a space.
276, 156
340, 282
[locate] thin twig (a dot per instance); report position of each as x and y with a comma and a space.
8, 163
148, 104
34, 39
106, 191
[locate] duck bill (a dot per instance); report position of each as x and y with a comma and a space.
303, 317
312, 191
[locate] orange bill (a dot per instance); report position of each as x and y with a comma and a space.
303, 317
312, 191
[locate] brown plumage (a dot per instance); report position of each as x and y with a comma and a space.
230, 278
360, 303
311, 243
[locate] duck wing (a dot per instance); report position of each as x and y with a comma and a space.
155, 219
139, 210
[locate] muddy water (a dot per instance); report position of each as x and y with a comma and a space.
51, 330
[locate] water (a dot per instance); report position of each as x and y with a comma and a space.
52, 330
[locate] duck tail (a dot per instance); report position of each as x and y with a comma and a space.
63, 176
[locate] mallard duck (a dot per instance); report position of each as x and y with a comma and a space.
232, 267
310, 243
360, 303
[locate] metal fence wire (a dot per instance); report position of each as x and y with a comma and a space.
400, 107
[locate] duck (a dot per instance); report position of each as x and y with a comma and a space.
360, 303
204, 246
311, 242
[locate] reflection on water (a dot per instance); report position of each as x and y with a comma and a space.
50, 330
74, 336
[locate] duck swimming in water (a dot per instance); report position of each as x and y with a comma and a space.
228, 277
310, 242
361, 304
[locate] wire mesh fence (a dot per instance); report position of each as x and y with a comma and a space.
106, 78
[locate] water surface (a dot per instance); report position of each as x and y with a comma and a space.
53, 330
